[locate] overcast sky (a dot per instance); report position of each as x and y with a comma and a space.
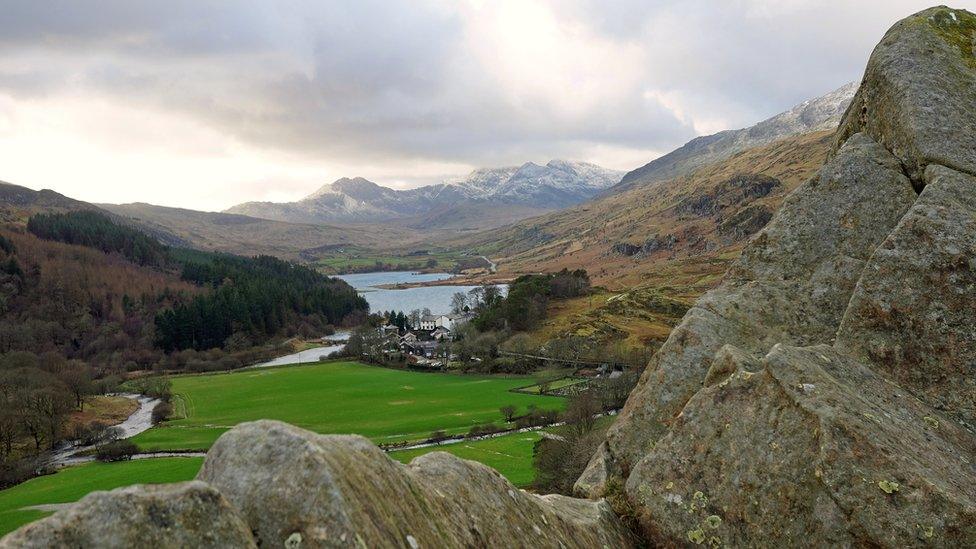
205, 104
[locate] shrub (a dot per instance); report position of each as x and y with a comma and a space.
438, 436
119, 450
16, 471
484, 429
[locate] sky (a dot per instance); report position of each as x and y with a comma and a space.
205, 104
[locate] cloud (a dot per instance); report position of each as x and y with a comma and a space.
242, 100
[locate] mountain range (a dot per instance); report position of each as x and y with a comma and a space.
474, 201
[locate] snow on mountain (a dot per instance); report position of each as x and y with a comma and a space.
532, 187
821, 113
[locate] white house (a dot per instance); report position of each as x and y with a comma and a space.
429, 322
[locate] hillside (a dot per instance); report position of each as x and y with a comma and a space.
700, 218
240, 234
18, 203
818, 114
485, 198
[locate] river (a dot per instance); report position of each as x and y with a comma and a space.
314, 354
139, 421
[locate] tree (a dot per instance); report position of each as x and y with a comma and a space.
77, 377
414, 318
490, 294
51, 405
10, 422
161, 412
459, 303
581, 412
508, 412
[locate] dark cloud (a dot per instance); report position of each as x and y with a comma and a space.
384, 81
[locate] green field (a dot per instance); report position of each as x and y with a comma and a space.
72, 483
510, 455
338, 397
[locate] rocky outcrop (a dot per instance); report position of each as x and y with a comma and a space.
813, 448
189, 514
790, 285
824, 394
336, 491
270, 484
916, 98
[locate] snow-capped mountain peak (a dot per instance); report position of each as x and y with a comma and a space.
535, 187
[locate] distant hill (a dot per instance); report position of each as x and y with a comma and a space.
18, 203
821, 113
485, 198
244, 235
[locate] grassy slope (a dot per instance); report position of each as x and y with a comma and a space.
510, 455
338, 397
73, 483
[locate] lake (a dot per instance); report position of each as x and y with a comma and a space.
435, 298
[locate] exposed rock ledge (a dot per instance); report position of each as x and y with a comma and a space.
270, 484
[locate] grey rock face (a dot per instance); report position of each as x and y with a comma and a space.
813, 449
189, 514
918, 96
791, 284
912, 314
343, 491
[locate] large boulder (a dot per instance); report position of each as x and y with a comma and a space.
189, 514
917, 95
295, 486
813, 449
790, 285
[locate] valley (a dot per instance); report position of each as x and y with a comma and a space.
759, 337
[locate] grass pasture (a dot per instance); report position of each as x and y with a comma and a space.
510, 455
337, 397
73, 483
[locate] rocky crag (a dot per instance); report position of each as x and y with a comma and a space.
824, 395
